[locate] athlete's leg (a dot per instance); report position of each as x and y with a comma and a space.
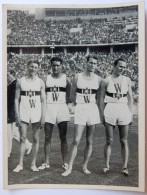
123, 132
109, 139
9, 137
23, 135
78, 131
16, 134
88, 148
62, 133
36, 131
48, 128
28, 145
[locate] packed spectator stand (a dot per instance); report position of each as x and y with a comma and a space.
18, 62
24, 29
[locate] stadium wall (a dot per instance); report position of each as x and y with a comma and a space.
50, 49
40, 14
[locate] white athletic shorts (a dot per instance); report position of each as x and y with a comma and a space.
30, 115
86, 114
116, 113
57, 113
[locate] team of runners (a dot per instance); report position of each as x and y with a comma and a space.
95, 100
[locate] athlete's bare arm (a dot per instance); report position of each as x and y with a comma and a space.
98, 91
73, 90
43, 103
103, 88
130, 96
17, 103
68, 88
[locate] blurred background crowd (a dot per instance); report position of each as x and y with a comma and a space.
24, 29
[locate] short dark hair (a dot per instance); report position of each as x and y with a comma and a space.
56, 58
119, 59
94, 56
33, 61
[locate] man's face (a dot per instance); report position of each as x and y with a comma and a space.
91, 64
56, 67
32, 69
120, 68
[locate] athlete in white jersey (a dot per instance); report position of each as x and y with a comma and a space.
30, 108
13, 131
57, 95
85, 96
116, 105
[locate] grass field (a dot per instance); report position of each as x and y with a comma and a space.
96, 163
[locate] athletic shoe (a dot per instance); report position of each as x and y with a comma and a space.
44, 166
125, 172
18, 168
86, 171
28, 150
65, 166
106, 170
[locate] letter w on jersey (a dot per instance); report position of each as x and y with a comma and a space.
32, 103
55, 96
86, 99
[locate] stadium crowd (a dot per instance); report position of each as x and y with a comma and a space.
74, 63
24, 29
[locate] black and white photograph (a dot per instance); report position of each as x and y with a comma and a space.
73, 90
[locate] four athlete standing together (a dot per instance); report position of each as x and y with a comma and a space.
44, 104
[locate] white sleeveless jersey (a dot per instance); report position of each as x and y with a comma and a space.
86, 89
119, 91
30, 93
56, 89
